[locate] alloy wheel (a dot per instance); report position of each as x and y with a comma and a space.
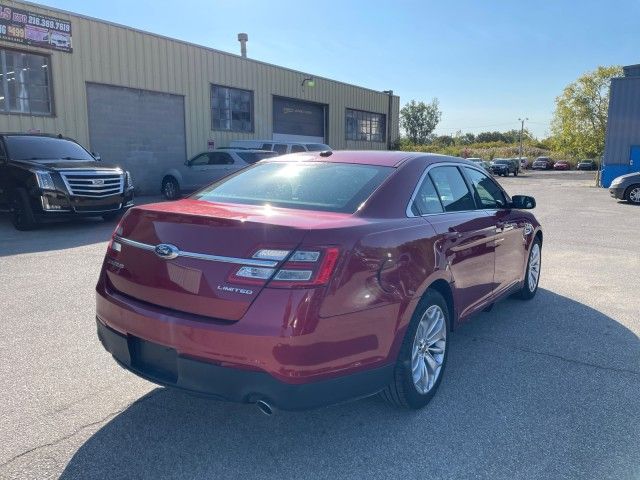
634, 195
534, 267
429, 344
169, 190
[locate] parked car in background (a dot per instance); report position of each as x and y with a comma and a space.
562, 165
524, 163
587, 165
504, 166
207, 167
626, 187
309, 280
481, 163
45, 177
281, 148
542, 163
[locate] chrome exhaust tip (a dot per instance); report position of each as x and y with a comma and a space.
265, 407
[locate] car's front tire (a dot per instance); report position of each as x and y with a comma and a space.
632, 195
423, 355
22, 215
170, 188
532, 275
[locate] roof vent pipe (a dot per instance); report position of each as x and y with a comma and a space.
243, 38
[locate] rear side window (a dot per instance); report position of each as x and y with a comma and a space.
452, 189
253, 157
426, 200
280, 148
297, 148
317, 147
489, 193
331, 187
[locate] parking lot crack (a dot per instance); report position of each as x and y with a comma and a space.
552, 355
107, 418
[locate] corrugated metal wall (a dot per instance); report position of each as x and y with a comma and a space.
110, 54
623, 124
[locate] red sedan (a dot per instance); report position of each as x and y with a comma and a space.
562, 165
313, 278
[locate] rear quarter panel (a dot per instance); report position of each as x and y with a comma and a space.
385, 268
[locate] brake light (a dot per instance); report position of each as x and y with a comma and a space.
309, 267
114, 246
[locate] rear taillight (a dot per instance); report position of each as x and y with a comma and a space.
307, 267
114, 246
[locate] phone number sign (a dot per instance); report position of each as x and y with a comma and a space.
28, 28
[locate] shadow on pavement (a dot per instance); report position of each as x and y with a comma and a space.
538, 389
57, 235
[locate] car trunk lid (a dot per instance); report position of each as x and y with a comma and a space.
214, 240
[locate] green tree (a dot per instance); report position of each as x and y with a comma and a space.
580, 118
420, 119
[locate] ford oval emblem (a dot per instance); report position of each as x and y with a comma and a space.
167, 251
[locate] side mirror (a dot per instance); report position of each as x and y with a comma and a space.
523, 202
186, 162
96, 156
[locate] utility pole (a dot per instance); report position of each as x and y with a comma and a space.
521, 120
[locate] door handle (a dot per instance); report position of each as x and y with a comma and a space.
504, 227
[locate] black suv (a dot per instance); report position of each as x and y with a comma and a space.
505, 166
46, 176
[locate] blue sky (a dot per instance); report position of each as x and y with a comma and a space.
487, 62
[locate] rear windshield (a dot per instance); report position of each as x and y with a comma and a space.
44, 148
331, 187
317, 147
253, 157
502, 162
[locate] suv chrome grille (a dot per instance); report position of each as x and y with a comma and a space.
92, 183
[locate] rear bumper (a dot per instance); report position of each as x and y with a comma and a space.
164, 366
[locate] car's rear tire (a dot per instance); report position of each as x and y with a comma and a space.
532, 274
170, 188
423, 355
632, 195
22, 215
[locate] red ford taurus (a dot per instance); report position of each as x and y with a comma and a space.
313, 278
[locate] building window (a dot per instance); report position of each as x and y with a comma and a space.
25, 83
231, 109
366, 126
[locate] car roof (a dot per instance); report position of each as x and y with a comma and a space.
382, 158
287, 142
23, 134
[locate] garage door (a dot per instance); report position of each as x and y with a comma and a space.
141, 131
297, 121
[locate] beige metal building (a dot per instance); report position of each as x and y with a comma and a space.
146, 102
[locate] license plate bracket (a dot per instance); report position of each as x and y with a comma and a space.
154, 360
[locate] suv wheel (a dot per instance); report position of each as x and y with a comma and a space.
170, 188
532, 276
423, 355
632, 194
22, 215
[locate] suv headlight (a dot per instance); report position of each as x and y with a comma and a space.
45, 181
127, 180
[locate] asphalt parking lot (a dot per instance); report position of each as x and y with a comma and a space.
540, 389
